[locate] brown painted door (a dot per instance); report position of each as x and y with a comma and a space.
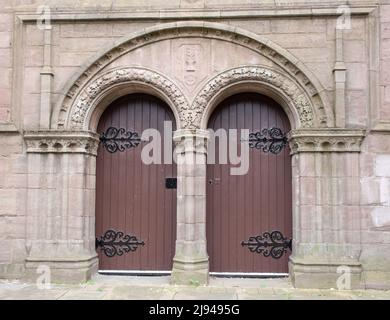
239, 207
131, 196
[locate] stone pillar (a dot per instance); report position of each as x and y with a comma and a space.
340, 76
191, 263
326, 211
61, 205
46, 80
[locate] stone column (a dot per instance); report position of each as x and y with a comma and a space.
46, 80
191, 262
61, 205
340, 76
326, 211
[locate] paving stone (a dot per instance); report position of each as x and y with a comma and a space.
270, 297
141, 293
193, 295
266, 291
33, 294
83, 295
309, 297
219, 290
248, 291
253, 294
157, 288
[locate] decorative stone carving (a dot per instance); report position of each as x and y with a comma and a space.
192, 117
62, 142
325, 140
190, 62
187, 140
195, 29
84, 102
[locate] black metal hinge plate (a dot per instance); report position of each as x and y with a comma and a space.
116, 243
271, 140
118, 139
270, 244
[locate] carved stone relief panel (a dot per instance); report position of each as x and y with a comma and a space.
190, 62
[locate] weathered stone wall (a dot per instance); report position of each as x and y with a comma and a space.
349, 211
375, 169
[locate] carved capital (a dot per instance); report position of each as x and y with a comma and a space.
325, 140
191, 140
61, 142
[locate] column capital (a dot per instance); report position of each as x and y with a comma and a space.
54, 141
181, 134
325, 140
191, 141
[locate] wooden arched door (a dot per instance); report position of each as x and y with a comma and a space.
135, 211
241, 209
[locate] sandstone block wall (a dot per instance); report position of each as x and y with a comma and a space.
351, 202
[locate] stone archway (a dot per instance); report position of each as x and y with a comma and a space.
96, 95
295, 101
75, 89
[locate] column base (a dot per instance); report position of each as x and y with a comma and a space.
63, 270
376, 266
190, 272
378, 280
323, 274
12, 270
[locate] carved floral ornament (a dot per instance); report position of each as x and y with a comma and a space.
85, 101
206, 30
252, 73
190, 116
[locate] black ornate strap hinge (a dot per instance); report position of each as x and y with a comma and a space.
272, 244
115, 243
118, 139
269, 140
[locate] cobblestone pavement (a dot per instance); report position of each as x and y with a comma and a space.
155, 288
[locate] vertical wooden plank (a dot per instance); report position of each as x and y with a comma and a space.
136, 182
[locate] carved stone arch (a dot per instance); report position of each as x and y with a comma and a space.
287, 92
91, 101
257, 43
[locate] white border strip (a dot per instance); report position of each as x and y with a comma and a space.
135, 272
249, 274
217, 274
